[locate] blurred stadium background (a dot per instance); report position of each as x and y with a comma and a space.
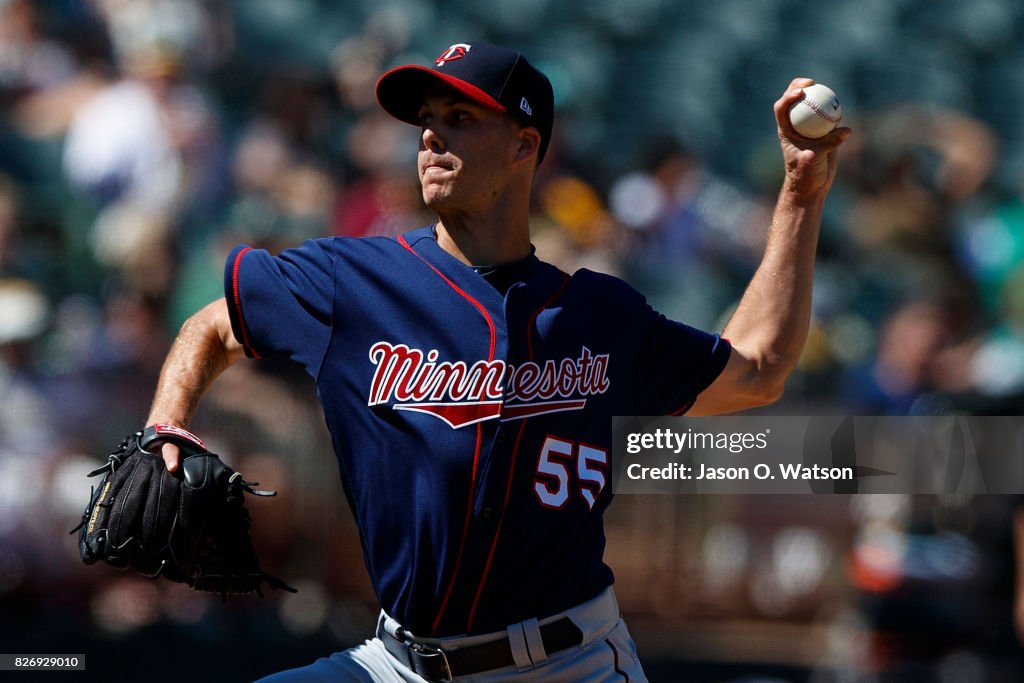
141, 139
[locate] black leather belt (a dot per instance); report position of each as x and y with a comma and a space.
436, 664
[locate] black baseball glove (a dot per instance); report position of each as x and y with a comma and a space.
190, 526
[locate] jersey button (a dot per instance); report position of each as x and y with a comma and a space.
487, 512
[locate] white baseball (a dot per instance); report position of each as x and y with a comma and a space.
818, 113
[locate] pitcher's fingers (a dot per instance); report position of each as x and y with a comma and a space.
790, 96
171, 455
835, 138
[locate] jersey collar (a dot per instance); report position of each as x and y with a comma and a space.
540, 280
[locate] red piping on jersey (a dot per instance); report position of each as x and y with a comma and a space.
615, 655
237, 296
686, 406
465, 533
479, 437
533, 318
497, 532
465, 295
512, 464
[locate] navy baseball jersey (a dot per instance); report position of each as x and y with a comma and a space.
472, 426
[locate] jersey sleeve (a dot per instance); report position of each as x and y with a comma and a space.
676, 362
282, 306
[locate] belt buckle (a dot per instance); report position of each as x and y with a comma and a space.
427, 653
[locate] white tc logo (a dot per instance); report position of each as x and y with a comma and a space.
456, 51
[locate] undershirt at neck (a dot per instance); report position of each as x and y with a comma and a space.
504, 276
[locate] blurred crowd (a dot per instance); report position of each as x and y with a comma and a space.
141, 139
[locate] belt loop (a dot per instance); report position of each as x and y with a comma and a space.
534, 642
520, 651
597, 616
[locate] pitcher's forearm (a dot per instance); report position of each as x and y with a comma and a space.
204, 348
773, 316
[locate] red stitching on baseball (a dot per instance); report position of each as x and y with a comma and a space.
816, 108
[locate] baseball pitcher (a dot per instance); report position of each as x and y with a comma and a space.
469, 386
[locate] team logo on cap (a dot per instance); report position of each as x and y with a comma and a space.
456, 51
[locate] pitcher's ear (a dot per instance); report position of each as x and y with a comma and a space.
529, 143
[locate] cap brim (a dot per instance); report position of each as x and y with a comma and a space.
402, 90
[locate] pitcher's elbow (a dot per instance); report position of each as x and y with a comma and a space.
770, 382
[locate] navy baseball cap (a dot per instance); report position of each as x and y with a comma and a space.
495, 77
